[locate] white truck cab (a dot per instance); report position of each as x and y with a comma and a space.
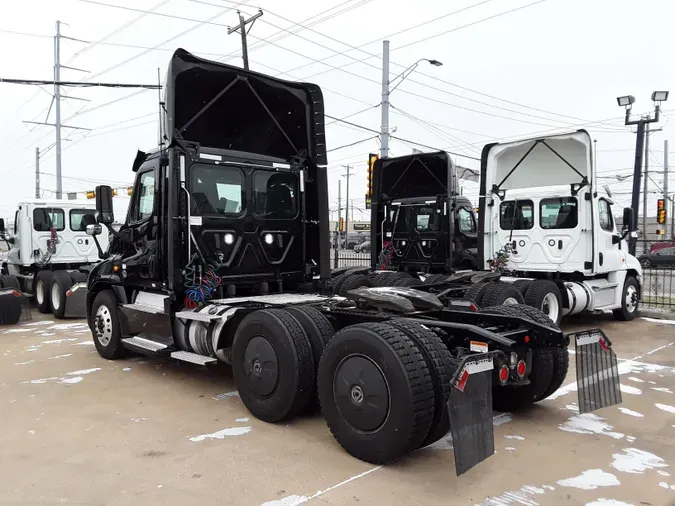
544, 210
51, 251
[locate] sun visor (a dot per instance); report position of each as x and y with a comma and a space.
226, 107
541, 162
413, 176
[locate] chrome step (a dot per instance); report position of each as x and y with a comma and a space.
281, 298
146, 344
200, 317
145, 308
194, 358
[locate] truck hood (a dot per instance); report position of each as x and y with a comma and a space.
554, 160
226, 107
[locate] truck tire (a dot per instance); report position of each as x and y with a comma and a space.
334, 283
43, 283
476, 293
381, 279
630, 300
319, 332
410, 282
61, 282
105, 326
441, 368
545, 296
78, 277
434, 278
523, 285
400, 407
272, 365
352, 282
547, 365
561, 364
501, 294
12, 282
10, 309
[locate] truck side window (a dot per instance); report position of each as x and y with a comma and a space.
80, 218
16, 222
275, 194
516, 217
467, 225
46, 218
605, 216
558, 213
145, 197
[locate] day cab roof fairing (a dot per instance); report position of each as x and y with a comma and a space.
248, 118
225, 107
420, 176
538, 162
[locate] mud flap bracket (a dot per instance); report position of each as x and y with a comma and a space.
470, 412
597, 371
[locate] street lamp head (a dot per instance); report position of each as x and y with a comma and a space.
626, 101
660, 96
435, 63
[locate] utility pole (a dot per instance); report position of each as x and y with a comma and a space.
645, 189
347, 175
665, 187
338, 233
242, 29
37, 173
57, 106
384, 127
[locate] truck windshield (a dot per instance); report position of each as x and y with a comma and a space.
216, 190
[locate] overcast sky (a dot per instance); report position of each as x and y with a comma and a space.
542, 66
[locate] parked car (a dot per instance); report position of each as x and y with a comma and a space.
364, 247
662, 258
657, 246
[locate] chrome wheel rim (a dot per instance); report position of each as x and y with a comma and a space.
550, 306
56, 296
39, 295
631, 298
103, 325
511, 301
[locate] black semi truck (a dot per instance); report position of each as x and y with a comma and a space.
223, 257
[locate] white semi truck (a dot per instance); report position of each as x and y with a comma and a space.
50, 254
544, 225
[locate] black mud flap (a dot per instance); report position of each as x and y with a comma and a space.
76, 301
597, 372
470, 410
14, 307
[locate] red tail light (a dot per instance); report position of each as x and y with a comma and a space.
69, 293
16, 293
521, 368
504, 374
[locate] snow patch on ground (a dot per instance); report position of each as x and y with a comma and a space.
519, 438
25, 363
84, 371
241, 420
36, 324
59, 341
222, 434
68, 326
607, 502
627, 389
666, 408
226, 395
291, 500
663, 389
636, 461
61, 356
658, 320
589, 423
523, 496
502, 418
510, 449
590, 480
126, 369
13, 331
663, 484
627, 411
84, 343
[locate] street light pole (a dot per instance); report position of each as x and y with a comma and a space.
386, 92
627, 102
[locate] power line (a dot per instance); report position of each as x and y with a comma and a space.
353, 143
78, 84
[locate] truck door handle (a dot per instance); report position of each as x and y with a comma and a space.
513, 244
560, 244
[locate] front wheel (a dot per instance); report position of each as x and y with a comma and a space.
630, 300
105, 326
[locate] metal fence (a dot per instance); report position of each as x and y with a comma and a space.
658, 271
349, 258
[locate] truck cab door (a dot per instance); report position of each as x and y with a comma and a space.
608, 255
140, 248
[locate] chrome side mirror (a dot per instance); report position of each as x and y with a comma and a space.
94, 229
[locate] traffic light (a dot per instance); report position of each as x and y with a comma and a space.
660, 211
659, 231
342, 225
371, 164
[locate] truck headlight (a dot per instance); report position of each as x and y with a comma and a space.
269, 239
229, 238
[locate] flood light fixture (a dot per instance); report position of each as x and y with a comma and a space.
660, 96
435, 63
626, 101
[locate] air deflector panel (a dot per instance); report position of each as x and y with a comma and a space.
226, 107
